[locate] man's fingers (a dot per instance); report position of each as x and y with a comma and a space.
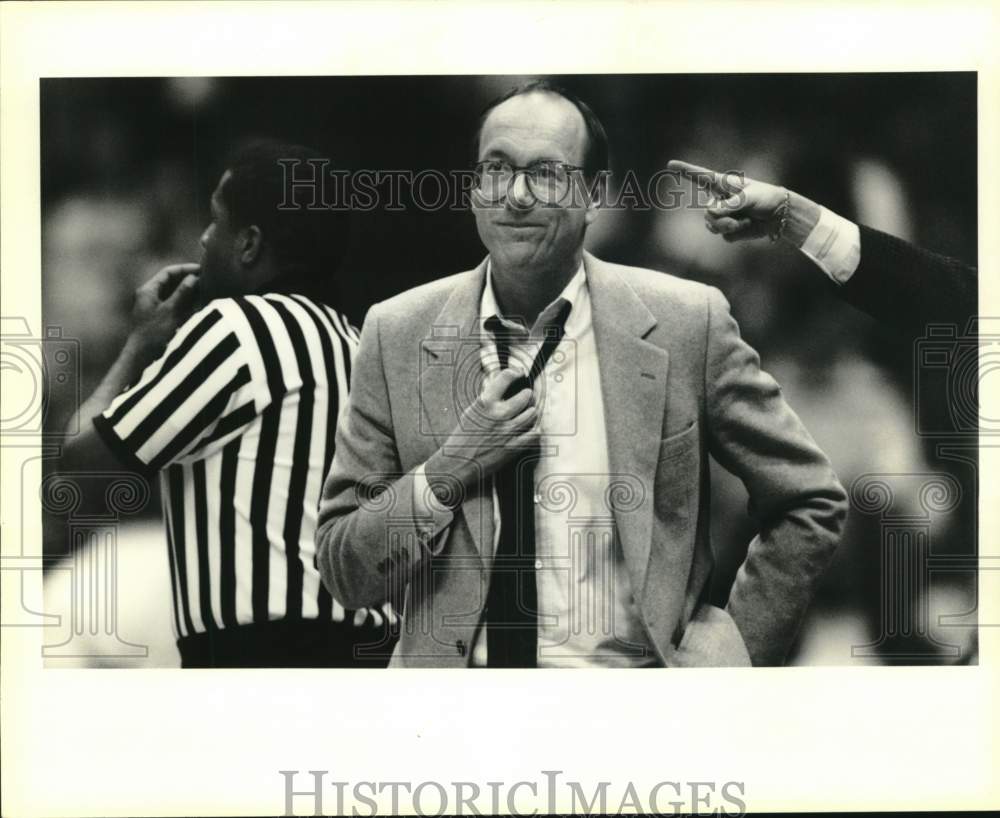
727, 224
183, 296
518, 402
735, 229
755, 231
523, 420
169, 277
497, 385
703, 177
727, 207
694, 172
712, 180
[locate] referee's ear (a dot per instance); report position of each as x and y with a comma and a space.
250, 245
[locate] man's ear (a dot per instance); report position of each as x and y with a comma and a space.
595, 193
250, 245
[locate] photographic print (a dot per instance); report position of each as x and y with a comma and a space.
350, 348
221, 450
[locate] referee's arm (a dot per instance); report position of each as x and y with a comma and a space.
162, 304
194, 398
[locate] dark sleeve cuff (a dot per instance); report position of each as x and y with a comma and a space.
122, 453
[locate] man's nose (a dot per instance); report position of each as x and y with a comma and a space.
519, 196
203, 239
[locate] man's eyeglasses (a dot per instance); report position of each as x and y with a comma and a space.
549, 182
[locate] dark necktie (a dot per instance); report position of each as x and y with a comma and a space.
512, 601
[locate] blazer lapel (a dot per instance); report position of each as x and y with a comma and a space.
633, 384
450, 376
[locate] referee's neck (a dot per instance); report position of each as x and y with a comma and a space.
311, 286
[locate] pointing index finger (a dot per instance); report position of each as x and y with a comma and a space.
696, 173
718, 183
688, 169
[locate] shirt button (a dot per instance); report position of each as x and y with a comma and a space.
538, 565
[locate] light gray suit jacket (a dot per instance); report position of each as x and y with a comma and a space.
678, 383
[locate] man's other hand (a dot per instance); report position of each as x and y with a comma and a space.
162, 304
742, 208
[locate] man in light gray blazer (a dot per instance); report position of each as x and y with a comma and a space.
523, 461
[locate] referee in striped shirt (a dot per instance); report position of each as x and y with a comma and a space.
235, 407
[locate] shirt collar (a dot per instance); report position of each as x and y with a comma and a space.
575, 292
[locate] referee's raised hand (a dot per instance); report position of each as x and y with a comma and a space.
162, 304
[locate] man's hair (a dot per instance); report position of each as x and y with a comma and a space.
307, 243
595, 155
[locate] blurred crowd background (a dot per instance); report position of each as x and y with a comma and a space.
128, 166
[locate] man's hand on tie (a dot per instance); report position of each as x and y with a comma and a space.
491, 431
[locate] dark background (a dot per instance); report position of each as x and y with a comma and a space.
128, 166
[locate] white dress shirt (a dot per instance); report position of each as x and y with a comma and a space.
834, 244
586, 611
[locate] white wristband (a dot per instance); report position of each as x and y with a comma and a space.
834, 245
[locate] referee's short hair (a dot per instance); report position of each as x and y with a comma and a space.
308, 243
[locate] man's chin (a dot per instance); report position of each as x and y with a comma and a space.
206, 292
209, 283
516, 254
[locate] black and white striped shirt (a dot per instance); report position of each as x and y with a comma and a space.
239, 415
